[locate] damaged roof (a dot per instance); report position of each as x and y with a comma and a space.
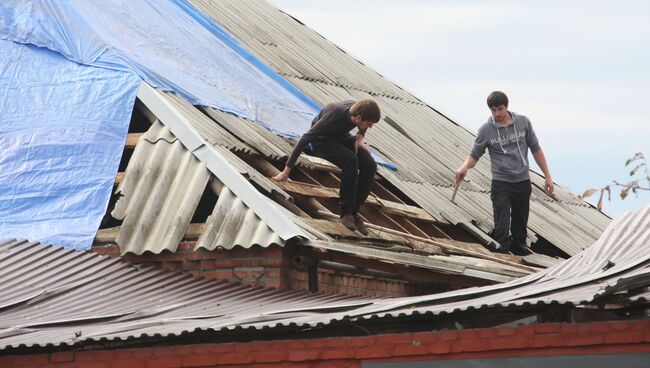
53, 296
166, 178
192, 153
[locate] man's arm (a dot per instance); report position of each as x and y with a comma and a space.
469, 163
480, 143
297, 150
359, 144
317, 129
541, 162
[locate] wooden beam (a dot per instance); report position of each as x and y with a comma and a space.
402, 271
132, 140
456, 249
109, 235
393, 242
449, 247
390, 207
318, 163
380, 189
118, 178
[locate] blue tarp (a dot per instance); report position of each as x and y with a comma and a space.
168, 43
164, 44
62, 132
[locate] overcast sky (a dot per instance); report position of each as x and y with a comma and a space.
580, 70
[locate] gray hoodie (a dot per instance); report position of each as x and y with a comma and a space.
508, 147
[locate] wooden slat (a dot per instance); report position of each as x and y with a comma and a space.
406, 272
132, 140
455, 248
118, 178
109, 235
321, 164
390, 207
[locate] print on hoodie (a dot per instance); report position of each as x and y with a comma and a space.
508, 147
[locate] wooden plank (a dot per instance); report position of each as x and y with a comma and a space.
439, 264
318, 163
118, 178
132, 140
444, 244
541, 260
390, 207
406, 272
109, 235
376, 239
331, 227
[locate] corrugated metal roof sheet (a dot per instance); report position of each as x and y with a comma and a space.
160, 192
211, 132
167, 176
51, 295
233, 224
426, 145
604, 269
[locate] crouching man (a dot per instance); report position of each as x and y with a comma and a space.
330, 139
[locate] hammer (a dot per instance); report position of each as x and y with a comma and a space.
453, 196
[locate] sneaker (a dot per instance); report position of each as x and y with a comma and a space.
349, 221
360, 225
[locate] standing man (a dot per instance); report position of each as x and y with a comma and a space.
507, 137
330, 139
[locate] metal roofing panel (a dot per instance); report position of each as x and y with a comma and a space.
80, 296
160, 193
217, 163
232, 224
270, 145
292, 49
208, 129
265, 184
161, 189
595, 272
51, 295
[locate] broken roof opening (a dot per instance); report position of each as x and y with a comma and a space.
400, 230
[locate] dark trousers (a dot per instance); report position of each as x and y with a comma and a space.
510, 204
357, 170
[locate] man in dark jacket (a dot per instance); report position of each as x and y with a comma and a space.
507, 137
330, 139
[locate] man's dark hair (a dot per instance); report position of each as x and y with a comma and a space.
368, 109
496, 99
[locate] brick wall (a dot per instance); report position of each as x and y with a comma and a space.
265, 267
536, 340
255, 266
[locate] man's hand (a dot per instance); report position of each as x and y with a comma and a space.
359, 144
460, 173
283, 176
549, 188
469, 163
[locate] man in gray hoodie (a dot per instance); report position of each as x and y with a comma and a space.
507, 137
